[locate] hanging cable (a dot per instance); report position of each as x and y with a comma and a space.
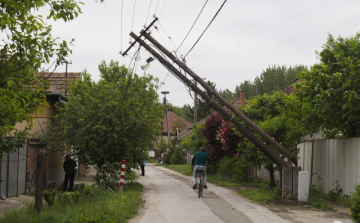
121, 35
132, 23
156, 7
206, 28
147, 14
192, 26
162, 9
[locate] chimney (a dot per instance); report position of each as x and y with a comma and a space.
241, 97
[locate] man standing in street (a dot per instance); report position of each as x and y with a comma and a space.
199, 161
69, 168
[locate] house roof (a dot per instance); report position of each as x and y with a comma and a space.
291, 88
173, 118
57, 80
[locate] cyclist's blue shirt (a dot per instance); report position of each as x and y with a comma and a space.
200, 158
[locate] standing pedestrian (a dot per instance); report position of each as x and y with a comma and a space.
142, 166
69, 168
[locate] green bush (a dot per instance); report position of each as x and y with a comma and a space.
108, 176
177, 157
232, 167
50, 196
355, 207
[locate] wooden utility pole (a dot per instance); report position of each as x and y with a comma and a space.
261, 132
39, 180
195, 105
248, 134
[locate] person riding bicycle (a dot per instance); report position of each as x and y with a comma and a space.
199, 161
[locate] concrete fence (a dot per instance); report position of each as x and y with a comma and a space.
332, 163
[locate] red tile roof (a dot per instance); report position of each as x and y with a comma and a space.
57, 80
172, 118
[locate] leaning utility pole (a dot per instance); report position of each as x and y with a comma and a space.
248, 134
289, 174
195, 105
261, 132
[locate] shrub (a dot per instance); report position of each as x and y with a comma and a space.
108, 176
50, 196
232, 167
355, 207
177, 157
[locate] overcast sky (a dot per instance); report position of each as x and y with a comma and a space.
244, 39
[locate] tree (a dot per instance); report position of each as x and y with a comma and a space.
28, 46
332, 88
195, 140
123, 129
281, 117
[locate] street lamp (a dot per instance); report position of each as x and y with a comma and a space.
167, 119
148, 61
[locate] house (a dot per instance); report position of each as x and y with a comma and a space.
177, 128
18, 169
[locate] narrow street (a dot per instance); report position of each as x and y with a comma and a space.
168, 197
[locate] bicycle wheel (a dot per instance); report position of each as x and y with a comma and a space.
200, 188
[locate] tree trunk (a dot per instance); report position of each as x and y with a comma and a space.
272, 178
39, 180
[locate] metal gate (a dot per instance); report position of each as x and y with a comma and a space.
13, 172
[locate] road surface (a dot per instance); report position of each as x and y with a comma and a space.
168, 197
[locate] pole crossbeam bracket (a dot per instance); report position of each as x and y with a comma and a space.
137, 39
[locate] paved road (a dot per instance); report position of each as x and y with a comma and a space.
168, 197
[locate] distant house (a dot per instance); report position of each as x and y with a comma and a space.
177, 128
18, 169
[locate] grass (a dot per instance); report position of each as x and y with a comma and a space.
151, 160
257, 195
216, 179
100, 206
181, 168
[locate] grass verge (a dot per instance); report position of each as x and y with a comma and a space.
257, 195
216, 178
99, 206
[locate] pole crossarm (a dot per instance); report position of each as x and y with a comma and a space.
256, 128
137, 39
247, 133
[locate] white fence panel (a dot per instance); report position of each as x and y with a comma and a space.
331, 162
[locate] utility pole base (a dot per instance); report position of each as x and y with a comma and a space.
290, 180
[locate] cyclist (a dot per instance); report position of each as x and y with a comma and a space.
199, 161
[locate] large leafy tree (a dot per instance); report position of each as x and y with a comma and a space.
26, 45
332, 88
280, 116
124, 129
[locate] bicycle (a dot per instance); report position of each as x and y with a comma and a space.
200, 182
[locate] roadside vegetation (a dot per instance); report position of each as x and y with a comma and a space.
98, 203
95, 205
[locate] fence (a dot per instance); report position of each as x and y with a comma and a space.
331, 162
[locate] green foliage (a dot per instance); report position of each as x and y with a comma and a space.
233, 167
331, 88
26, 46
108, 176
257, 194
50, 196
335, 194
272, 79
195, 140
355, 207
280, 116
177, 157
100, 206
133, 107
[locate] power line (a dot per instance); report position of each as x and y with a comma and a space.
162, 9
192, 26
166, 34
206, 27
147, 14
132, 23
122, 6
156, 7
